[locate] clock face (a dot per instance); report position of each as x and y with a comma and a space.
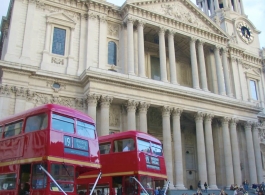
245, 32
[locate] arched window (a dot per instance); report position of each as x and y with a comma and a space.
112, 53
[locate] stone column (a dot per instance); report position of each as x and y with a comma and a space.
226, 73
143, 107
229, 4
225, 3
141, 68
26, 48
235, 151
256, 142
202, 168
219, 71
203, 75
236, 77
104, 115
178, 148
251, 153
227, 153
242, 7
216, 5
70, 52
210, 151
162, 55
194, 66
167, 148
172, 58
235, 5
130, 46
131, 108
92, 100
102, 55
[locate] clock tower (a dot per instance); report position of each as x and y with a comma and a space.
230, 16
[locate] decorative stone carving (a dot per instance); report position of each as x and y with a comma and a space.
113, 30
225, 120
57, 61
56, 85
105, 100
131, 105
80, 103
93, 99
209, 117
199, 116
5, 89
166, 110
143, 106
115, 116
177, 112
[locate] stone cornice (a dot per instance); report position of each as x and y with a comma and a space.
169, 22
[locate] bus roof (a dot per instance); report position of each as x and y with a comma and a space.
53, 107
127, 134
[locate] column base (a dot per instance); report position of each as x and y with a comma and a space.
180, 187
213, 187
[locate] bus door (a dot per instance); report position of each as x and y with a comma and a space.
130, 186
38, 180
24, 178
100, 189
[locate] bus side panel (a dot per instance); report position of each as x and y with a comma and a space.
11, 148
8, 193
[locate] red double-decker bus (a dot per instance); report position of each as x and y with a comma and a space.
44, 149
132, 163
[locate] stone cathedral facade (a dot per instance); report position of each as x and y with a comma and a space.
191, 75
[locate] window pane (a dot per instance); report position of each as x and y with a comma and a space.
155, 68
13, 129
143, 146
39, 178
8, 181
112, 53
124, 145
61, 172
58, 44
157, 149
104, 148
62, 123
86, 130
1, 130
253, 90
37, 122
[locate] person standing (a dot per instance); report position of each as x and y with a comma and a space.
205, 187
199, 185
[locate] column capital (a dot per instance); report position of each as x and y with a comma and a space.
199, 116
92, 98
217, 48
200, 42
131, 105
225, 120
106, 100
177, 111
141, 23
225, 50
193, 39
209, 117
102, 18
234, 121
130, 20
248, 125
92, 16
171, 32
161, 30
143, 106
166, 110
255, 125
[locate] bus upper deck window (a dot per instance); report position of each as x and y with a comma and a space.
13, 129
37, 122
86, 130
104, 148
157, 149
62, 123
143, 146
124, 145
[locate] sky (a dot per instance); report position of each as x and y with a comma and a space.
254, 9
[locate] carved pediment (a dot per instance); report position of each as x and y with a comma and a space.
61, 19
182, 11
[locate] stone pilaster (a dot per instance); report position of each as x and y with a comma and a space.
178, 148
226, 73
141, 60
167, 148
202, 168
130, 46
194, 66
131, 108
162, 55
229, 173
210, 151
203, 76
92, 101
235, 151
143, 107
256, 142
219, 71
172, 58
104, 117
102, 56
